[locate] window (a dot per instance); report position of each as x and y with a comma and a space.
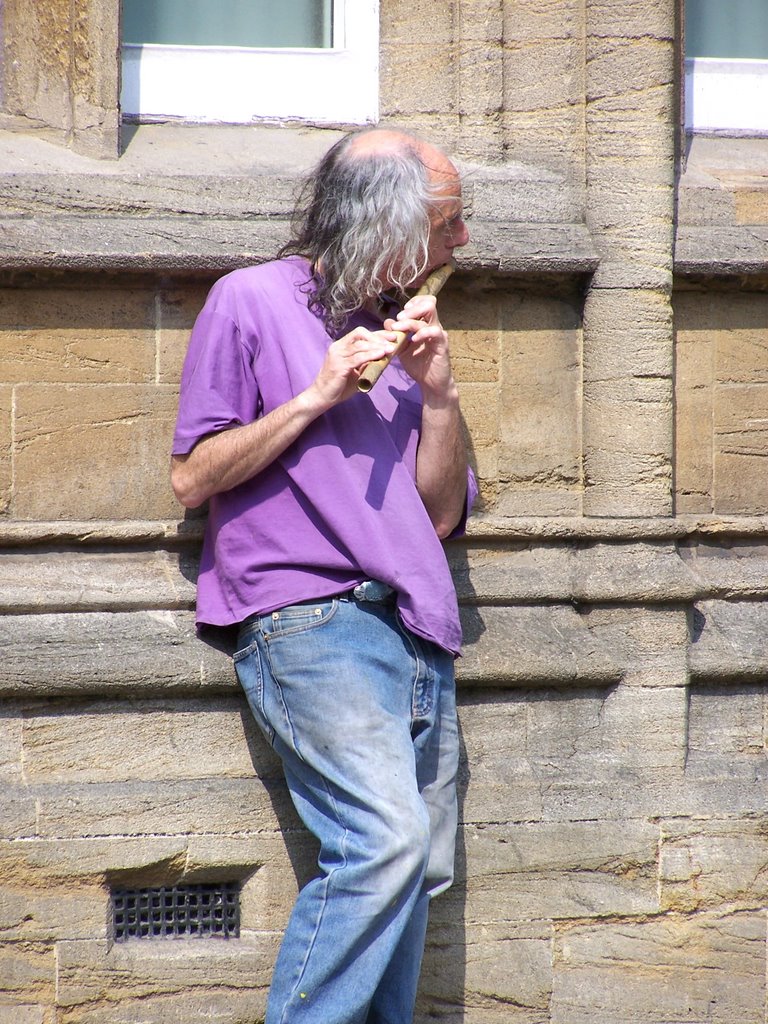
726, 66
240, 61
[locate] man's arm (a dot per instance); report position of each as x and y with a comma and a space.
441, 460
221, 461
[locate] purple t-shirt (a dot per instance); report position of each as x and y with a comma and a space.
340, 504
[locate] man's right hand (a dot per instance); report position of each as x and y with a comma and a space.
344, 362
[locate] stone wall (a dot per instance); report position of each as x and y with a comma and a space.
609, 325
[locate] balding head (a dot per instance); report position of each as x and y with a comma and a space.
370, 209
392, 141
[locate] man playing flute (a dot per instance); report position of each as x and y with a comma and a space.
327, 508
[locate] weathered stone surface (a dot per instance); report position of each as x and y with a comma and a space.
728, 640
531, 646
18, 811
485, 972
150, 651
107, 742
77, 336
624, 573
732, 568
64, 581
151, 808
103, 652
576, 756
102, 981
670, 969
62, 72
720, 250
650, 643
6, 452
712, 863
177, 310
475, 343
520, 871
627, 406
541, 375
720, 389
62, 432
28, 971
18, 1013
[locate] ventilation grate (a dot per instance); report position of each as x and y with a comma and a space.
179, 911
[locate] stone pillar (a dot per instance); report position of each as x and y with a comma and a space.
62, 71
628, 337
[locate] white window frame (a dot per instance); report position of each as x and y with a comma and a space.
240, 85
726, 95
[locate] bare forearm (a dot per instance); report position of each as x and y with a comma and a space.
441, 462
222, 461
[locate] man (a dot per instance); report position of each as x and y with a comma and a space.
327, 507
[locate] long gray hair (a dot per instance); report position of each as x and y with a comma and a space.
363, 218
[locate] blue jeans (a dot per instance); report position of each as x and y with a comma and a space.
363, 716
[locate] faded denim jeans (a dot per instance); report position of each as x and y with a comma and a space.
363, 716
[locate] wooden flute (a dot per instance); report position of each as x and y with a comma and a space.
372, 371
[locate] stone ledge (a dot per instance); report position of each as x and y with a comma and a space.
721, 251
185, 199
115, 654
205, 244
657, 572
189, 531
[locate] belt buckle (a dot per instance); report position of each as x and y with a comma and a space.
372, 590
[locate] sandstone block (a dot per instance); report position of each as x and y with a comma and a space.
475, 349
162, 808
729, 722
418, 77
728, 641
524, 194
11, 726
109, 742
543, 75
673, 968
637, 18
531, 646
542, 871
86, 452
28, 971
586, 755
480, 79
177, 310
99, 979
402, 22
713, 863
18, 812
629, 76
539, 391
69, 335
485, 973
108, 652
45, 915
6, 455
728, 569
650, 643
18, 1013
548, 138
549, 19
64, 581
740, 446
588, 572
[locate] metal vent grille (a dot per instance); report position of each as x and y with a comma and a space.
179, 911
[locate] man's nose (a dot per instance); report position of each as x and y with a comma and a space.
459, 235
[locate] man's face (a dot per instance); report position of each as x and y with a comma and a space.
447, 228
